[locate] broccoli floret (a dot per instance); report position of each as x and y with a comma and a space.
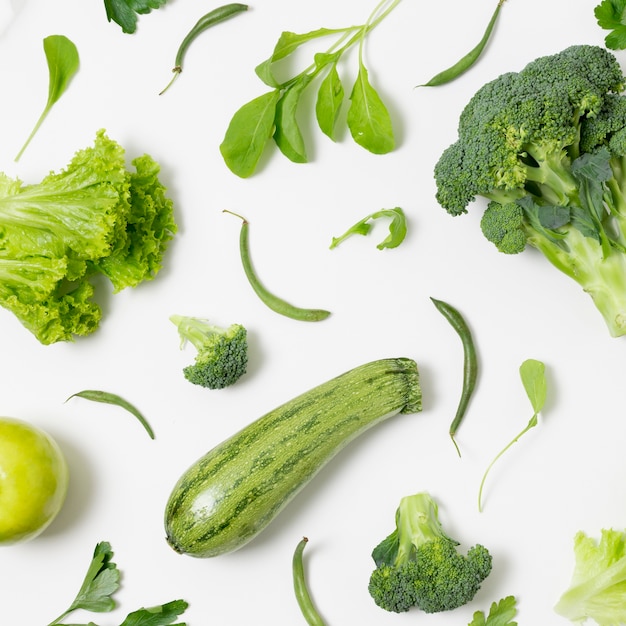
419, 565
551, 140
222, 353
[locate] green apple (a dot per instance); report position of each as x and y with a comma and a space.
33, 480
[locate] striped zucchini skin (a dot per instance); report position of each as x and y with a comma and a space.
235, 490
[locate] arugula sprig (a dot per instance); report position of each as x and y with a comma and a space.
397, 228
274, 113
101, 581
611, 16
500, 614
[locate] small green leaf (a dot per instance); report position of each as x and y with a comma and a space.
63, 61
368, 119
532, 373
248, 133
397, 228
287, 134
156, 615
124, 12
500, 614
611, 16
329, 100
111, 398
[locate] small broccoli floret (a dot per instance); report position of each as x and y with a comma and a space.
222, 356
550, 140
418, 565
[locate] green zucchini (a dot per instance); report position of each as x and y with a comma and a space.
235, 490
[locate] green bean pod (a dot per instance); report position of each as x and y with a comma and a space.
206, 21
470, 362
464, 64
309, 612
278, 305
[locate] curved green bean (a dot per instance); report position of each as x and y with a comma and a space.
303, 597
206, 21
464, 64
470, 362
275, 303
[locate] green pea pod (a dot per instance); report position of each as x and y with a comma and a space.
464, 64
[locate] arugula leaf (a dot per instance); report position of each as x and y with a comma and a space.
368, 119
157, 615
248, 133
330, 97
124, 12
100, 583
111, 398
611, 16
500, 614
397, 228
287, 133
63, 61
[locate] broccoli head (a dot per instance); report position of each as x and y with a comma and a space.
546, 147
222, 353
419, 565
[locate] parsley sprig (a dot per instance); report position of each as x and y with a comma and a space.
101, 581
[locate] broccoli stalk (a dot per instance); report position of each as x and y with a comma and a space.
419, 565
546, 147
222, 353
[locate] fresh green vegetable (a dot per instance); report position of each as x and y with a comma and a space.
124, 12
63, 61
611, 16
532, 373
33, 481
596, 590
234, 491
309, 611
111, 398
397, 228
222, 355
418, 564
206, 21
501, 613
470, 59
93, 218
470, 362
547, 147
274, 113
277, 304
96, 595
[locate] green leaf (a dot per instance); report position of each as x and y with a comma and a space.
397, 228
329, 100
611, 15
124, 12
156, 615
63, 61
532, 373
248, 133
553, 216
111, 398
500, 614
287, 133
368, 119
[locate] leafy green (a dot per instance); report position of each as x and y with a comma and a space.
111, 398
274, 114
124, 12
101, 581
63, 62
611, 16
156, 615
95, 217
500, 614
397, 228
532, 373
598, 583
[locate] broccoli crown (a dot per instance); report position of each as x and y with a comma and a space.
521, 129
503, 225
418, 565
222, 353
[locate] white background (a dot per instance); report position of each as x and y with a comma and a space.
565, 475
